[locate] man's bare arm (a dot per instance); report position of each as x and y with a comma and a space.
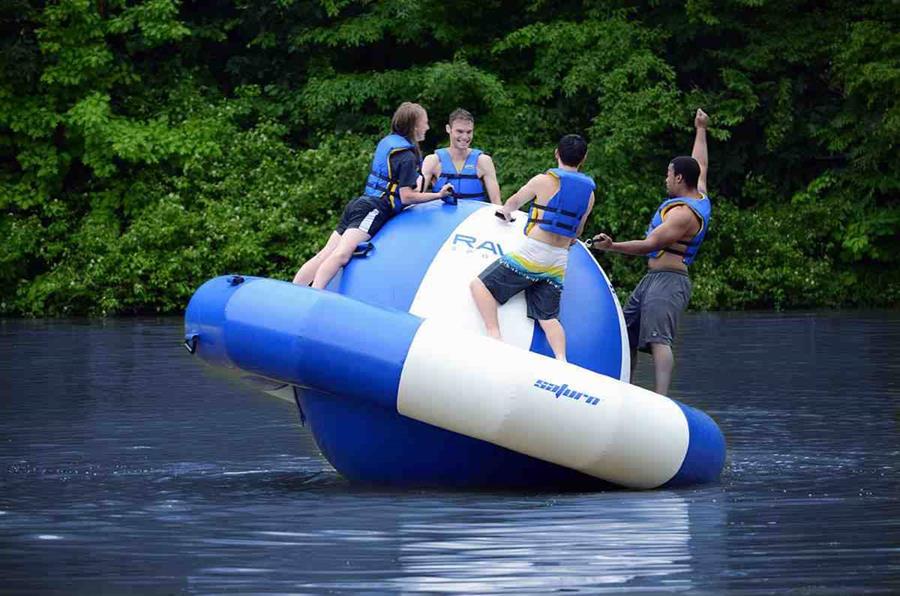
431, 170
410, 196
584, 219
700, 152
522, 196
489, 177
676, 226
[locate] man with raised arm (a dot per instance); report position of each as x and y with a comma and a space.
671, 243
563, 198
469, 170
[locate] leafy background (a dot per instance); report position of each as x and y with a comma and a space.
147, 146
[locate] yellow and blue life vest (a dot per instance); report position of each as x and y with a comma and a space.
381, 182
563, 212
702, 209
466, 183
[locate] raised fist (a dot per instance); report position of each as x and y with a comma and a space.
701, 119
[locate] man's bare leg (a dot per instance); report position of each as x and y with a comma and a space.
663, 363
308, 270
339, 257
487, 306
634, 356
556, 337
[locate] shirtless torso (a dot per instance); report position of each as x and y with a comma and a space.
668, 260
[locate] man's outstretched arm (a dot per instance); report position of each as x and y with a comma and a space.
522, 196
700, 152
678, 222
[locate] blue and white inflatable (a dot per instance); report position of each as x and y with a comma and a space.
400, 386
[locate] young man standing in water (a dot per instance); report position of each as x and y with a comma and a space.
671, 243
469, 170
563, 199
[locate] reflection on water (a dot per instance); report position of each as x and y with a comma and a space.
125, 466
583, 542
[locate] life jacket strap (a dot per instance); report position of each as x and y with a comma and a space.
460, 176
377, 188
391, 188
555, 210
551, 222
379, 176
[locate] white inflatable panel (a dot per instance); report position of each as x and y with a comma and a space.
444, 291
600, 426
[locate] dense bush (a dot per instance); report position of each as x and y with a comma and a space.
147, 146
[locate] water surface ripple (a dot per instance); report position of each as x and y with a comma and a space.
125, 466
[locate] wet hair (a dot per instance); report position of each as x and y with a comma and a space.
460, 114
572, 149
687, 168
404, 121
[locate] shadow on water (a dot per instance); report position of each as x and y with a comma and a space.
125, 466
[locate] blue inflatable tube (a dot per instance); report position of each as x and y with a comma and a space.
394, 398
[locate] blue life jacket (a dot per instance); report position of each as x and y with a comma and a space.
466, 183
382, 183
563, 212
702, 208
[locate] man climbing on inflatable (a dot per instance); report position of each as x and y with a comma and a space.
563, 199
469, 170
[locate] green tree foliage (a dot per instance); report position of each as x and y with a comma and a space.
148, 145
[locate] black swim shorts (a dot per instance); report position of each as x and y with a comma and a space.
366, 213
541, 297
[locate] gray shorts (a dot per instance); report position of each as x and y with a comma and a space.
652, 310
541, 297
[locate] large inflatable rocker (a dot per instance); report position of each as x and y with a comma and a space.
392, 371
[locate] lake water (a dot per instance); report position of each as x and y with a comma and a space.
127, 466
